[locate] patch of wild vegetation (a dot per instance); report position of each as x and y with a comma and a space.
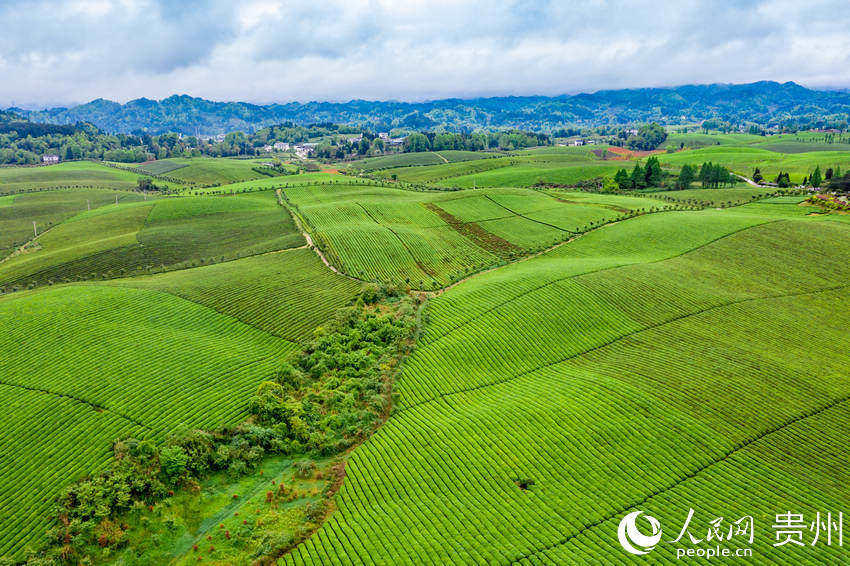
332, 396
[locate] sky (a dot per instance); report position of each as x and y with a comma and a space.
68, 52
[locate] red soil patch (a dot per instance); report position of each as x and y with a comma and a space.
621, 153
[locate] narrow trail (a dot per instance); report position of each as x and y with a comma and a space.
29, 243
749, 181
307, 237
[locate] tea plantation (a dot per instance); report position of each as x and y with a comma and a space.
435, 358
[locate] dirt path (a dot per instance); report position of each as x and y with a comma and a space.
748, 181
441, 157
307, 237
29, 244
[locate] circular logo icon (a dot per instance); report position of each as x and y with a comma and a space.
632, 539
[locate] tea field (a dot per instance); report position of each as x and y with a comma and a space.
550, 397
576, 355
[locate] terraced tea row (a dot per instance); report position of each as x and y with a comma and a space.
47, 209
431, 239
141, 360
166, 234
587, 310
286, 293
65, 175
523, 424
47, 440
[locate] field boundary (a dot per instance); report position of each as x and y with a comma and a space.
547, 250
619, 338
488, 197
476, 233
402, 242
188, 300
94, 406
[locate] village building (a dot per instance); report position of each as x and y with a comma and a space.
281, 146
50, 159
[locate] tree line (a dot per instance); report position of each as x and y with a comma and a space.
709, 175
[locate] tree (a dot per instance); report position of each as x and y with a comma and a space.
146, 184
172, 461
653, 173
622, 179
649, 137
416, 142
840, 184
757, 176
828, 174
782, 180
638, 178
712, 176
704, 175
686, 177
816, 179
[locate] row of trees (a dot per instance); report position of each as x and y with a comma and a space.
333, 395
24, 143
641, 177
816, 179
712, 176
340, 147
709, 175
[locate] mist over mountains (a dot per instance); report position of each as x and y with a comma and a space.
764, 103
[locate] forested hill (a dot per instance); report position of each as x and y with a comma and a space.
764, 103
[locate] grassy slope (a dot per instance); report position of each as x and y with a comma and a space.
744, 160
75, 173
169, 233
99, 360
269, 183
416, 159
208, 171
47, 209
740, 194
557, 165
374, 232
168, 534
599, 363
287, 293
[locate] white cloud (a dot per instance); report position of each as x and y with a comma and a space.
270, 50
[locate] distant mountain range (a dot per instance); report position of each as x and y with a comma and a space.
763, 103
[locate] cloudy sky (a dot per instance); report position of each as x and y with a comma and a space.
72, 51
